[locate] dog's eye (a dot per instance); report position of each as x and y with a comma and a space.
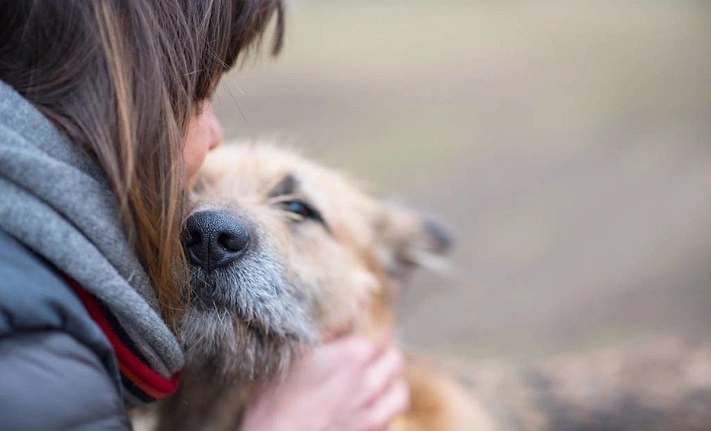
299, 208
302, 209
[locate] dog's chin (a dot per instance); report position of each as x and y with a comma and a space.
245, 324
223, 349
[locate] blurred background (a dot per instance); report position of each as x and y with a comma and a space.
568, 145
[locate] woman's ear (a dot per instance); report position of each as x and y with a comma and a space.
408, 240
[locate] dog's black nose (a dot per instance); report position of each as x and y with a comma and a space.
214, 239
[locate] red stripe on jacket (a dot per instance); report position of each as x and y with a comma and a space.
130, 365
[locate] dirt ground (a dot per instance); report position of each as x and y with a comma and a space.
568, 145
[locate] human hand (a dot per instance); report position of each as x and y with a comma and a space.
349, 384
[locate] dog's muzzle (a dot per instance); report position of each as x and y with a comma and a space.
215, 239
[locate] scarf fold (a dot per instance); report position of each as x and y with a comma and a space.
56, 200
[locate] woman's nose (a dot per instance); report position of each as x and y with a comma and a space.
217, 132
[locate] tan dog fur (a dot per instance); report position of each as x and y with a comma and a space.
360, 256
351, 266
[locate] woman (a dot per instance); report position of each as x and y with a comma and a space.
104, 117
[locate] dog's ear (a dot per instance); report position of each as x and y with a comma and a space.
408, 240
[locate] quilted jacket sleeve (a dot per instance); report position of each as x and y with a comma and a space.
52, 382
57, 369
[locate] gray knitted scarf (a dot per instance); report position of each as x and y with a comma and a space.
56, 201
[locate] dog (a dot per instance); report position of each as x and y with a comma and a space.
284, 250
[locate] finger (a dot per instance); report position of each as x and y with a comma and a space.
380, 376
394, 402
385, 340
357, 350
382, 346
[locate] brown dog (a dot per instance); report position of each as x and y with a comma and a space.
284, 249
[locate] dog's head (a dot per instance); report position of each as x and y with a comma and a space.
283, 249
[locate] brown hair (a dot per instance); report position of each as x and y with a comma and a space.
121, 79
